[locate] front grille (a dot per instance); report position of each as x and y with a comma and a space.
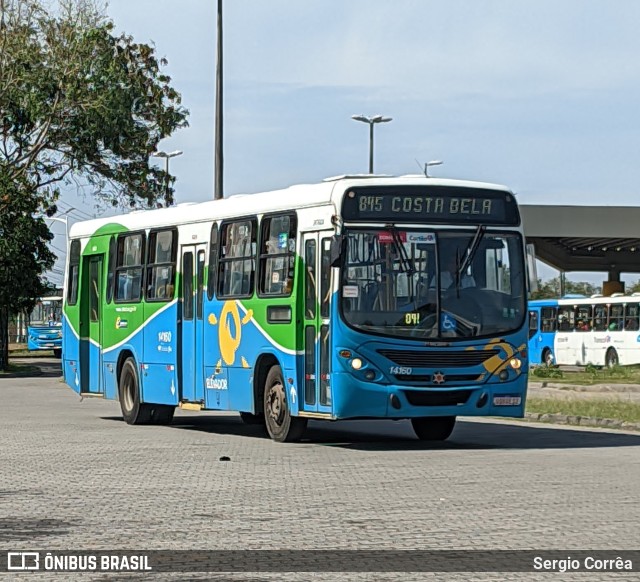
447, 377
413, 377
436, 358
437, 397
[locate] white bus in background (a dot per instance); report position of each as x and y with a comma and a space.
603, 331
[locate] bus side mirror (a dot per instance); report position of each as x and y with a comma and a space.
337, 249
532, 271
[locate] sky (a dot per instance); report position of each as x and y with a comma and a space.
540, 96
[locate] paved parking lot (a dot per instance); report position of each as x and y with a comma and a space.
74, 476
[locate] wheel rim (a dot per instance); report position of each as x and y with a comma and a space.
128, 391
276, 404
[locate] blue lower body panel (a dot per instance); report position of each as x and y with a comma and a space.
354, 398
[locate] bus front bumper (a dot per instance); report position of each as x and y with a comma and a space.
354, 398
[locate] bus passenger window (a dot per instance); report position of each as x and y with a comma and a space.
548, 315
129, 259
277, 255
237, 262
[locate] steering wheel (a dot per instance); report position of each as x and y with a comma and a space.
429, 321
466, 306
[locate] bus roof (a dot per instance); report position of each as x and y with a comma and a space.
543, 302
299, 196
606, 300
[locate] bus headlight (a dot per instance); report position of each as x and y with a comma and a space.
356, 363
515, 363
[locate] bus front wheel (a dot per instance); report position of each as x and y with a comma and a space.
281, 426
547, 357
611, 359
436, 428
57, 353
133, 411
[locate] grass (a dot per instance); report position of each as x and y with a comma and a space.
19, 369
590, 376
612, 409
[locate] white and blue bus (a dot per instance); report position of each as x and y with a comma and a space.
543, 324
44, 329
326, 301
603, 331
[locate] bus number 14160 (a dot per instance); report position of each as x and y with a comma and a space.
400, 370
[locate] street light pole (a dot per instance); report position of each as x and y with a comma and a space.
219, 158
64, 218
167, 157
427, 165
371, 121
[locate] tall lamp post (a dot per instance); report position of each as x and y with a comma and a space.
427, 165
167, 157
371, 121
64, 218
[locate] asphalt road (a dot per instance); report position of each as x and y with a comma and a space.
74, 476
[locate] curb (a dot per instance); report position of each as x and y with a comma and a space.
581, 420
604, 387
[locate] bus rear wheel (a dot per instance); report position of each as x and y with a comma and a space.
133, 411
57, 353
611, 359
547, 357
281, 426
436, 428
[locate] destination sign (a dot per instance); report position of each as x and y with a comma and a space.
437, 204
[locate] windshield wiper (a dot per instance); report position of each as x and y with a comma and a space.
406, 264
469, 253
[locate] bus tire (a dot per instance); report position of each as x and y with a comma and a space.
611, 359
251, 419
133, 411
281, 426
547, 357
162, 413
435, 428
57, 353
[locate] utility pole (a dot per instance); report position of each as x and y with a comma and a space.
218, 163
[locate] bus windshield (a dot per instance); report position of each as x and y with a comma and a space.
47, 313
433, 284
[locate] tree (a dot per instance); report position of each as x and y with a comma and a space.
551, 289
633, 287
23, 241
80, 106
547, 289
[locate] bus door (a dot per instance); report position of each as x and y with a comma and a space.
91, 325
191, 323
535, 339
317, 298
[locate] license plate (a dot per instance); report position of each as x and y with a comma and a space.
507, 400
